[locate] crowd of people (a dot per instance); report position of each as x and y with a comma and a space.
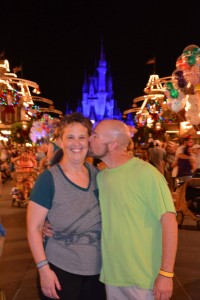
175, 160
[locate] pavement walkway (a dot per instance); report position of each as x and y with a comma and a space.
17, 268
18, 273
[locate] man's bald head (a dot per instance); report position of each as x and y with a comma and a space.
112, 130
110, 141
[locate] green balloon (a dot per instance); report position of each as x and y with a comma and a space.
191, 60
195, 51
169, 85
174, 93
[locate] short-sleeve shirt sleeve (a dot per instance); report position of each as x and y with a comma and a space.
43, 190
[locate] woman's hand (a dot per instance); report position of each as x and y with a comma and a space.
49, 282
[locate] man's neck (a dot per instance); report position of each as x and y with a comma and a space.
116, 161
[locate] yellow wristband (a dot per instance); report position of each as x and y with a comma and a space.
166, 274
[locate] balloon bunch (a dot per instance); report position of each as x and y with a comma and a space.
175, 98
183, 91
43, 129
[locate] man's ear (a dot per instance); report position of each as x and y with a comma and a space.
113, 145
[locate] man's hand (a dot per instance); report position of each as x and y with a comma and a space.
47, 230
163, 288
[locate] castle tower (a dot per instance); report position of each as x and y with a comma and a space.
97, 92
102, 71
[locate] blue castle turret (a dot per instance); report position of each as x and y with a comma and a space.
97, 93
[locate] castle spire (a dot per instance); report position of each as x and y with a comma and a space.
102, 53
102, 60
102, 69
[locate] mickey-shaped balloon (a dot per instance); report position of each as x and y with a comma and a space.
175, 98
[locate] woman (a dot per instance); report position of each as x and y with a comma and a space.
186, 164
69, 264
54, 146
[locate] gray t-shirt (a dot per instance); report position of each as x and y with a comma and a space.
74, 214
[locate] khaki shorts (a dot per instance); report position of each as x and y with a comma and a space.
128, 293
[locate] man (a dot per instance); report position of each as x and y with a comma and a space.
157, 156
139, 228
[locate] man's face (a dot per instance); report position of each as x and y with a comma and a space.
98, 145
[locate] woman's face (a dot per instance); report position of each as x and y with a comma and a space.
75, 142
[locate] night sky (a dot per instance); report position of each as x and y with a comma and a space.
57, 41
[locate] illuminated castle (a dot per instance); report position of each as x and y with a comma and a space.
97, 94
